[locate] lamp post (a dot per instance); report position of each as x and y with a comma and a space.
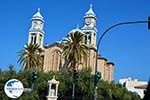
101, 37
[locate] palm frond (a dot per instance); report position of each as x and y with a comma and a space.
30, 57
74, 49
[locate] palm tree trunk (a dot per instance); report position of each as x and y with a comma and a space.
73, 82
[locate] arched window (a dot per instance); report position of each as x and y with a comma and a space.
33, 38
52, 61
56, 60
89, 38
40, 39
85, 39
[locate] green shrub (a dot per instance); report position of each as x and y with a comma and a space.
83, 90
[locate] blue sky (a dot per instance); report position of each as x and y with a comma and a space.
128, 46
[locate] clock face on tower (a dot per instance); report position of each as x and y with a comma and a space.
88, 21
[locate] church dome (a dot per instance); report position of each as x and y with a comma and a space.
37, 16
74, 30
90, 12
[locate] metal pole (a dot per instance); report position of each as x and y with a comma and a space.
95, 92
32, 87
101, 37
73, 90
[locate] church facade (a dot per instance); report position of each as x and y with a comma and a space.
52, 53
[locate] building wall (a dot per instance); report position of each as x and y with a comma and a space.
101, 66
110, 67
92, 60
131, 85
54, 61
106, 69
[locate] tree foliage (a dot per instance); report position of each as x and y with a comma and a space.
84, 86
30, 57
74, 48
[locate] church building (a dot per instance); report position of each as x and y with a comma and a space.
52, 53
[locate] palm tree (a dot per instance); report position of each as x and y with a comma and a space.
30, 57
74, 50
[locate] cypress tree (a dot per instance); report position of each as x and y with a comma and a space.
147, 92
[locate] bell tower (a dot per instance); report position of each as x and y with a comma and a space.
36, 32
89, 27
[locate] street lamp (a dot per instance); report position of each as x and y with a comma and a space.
104, 33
